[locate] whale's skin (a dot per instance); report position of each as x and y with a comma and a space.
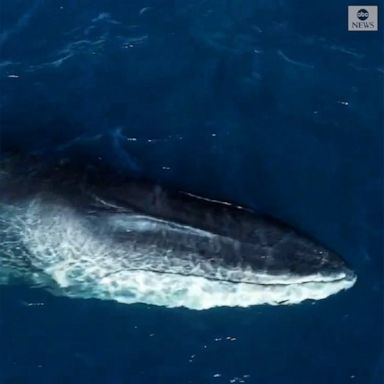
87, 233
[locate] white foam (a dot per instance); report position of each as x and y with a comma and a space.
191, 291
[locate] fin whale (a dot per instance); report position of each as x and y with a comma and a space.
95, 235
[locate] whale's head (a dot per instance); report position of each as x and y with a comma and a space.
193, 253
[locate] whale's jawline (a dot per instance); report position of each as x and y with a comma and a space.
317, 280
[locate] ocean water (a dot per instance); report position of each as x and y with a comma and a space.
271, 104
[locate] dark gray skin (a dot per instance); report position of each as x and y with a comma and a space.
240, 238
257, 235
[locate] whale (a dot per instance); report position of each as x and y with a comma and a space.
86, 232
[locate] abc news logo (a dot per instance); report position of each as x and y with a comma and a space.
363, 15
362, 18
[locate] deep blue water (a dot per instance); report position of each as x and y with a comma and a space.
271, 104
